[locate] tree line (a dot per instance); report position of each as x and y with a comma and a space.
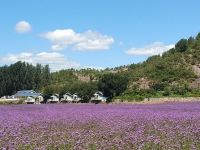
23, 76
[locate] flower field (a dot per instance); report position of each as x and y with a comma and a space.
94, 127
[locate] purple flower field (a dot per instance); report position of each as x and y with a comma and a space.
108, 127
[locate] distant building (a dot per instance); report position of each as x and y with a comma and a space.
76, 98
54, 99
68, 98
98, 97
8, 98
29, 96
34, 100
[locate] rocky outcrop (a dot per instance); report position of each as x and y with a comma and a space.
196, 69
196, 83
144, 84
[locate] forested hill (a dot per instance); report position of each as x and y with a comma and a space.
174, 73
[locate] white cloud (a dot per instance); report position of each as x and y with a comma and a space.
150, 50
86, 41
23, 27
55, 60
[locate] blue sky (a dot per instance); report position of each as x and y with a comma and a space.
91, 33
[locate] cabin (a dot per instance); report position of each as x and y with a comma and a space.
29, 96
76, 98
98, 97
53, 99
67, 98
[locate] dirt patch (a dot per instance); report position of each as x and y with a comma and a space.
196, 69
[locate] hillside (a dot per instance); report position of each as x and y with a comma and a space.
174, 73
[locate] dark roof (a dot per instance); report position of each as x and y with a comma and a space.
26, 93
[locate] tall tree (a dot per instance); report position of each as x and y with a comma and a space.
182, 45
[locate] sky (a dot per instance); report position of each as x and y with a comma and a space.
92, 33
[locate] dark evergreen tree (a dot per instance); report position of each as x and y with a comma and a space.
182, 45
23, 76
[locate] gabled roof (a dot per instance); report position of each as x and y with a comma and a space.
98, 93
68, 94
55, 95
75, 94
26, 93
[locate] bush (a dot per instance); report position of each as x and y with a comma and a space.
167, 91
139, 98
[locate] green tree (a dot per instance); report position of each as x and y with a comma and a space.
84, 90
191, 41
182, 45
198, 36
113, 84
